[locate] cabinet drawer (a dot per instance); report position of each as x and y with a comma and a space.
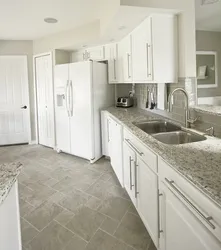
198, 203
145, 154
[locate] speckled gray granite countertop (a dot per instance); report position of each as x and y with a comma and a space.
209, 109
198, 162
8, 175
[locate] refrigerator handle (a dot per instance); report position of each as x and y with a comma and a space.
71, 98
67, 97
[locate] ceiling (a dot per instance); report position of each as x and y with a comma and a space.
208, 17
24, 19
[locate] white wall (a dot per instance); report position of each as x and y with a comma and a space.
78, 36
210, 41
13, 47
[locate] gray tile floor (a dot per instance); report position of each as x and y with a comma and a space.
68, 204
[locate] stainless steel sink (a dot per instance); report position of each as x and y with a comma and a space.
157, 126
179, 137
168, 133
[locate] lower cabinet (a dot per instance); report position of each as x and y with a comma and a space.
141, 184
147, 198
176, 214
181, 229
116, 148
129, 158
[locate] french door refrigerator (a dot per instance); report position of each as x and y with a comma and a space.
81, 92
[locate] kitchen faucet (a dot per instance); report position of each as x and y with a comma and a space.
188, 121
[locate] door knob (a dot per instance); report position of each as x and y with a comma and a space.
24, 107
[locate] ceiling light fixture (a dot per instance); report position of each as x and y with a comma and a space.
50, 20
205, 2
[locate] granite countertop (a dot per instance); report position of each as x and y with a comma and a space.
8, 175
209, 109
198, 162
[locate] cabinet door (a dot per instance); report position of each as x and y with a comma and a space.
147, 198
125, 58
111, 55
129, 159
79, 56
181, 228
105, 133
115, 148
96, 53
142, 54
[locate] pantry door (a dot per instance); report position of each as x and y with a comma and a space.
45, 100
14, 100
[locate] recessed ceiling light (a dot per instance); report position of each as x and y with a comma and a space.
112, 40
122, 27
50, 20
84, 46
204, 2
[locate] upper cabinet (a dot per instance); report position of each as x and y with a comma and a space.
142, 52
147, 55
125, 60
111, 54
95, 53
154, 50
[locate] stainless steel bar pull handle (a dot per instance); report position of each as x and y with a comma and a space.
135, 176
148, 60
115, 75
128, 65
133, 147
131, 185
207, 219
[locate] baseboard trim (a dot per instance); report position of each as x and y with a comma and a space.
32, 143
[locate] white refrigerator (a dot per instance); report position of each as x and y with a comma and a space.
81, 92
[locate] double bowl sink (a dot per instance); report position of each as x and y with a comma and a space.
168, 133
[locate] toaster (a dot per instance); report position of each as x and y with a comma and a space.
125, 102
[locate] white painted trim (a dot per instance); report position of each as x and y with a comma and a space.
205, 86
32, 142
50, 53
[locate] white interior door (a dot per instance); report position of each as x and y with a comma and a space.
14, 100
45, 102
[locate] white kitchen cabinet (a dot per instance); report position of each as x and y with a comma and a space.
188, 219
142, 52
154, 50
180, 227
111, 55
147, 197
95, 53
116, 148
79, 56
125, 60
129, 160
141, 183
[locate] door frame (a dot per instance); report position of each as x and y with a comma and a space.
28, 93
50, 53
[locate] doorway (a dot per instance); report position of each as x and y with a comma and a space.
44, 99
14, 101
